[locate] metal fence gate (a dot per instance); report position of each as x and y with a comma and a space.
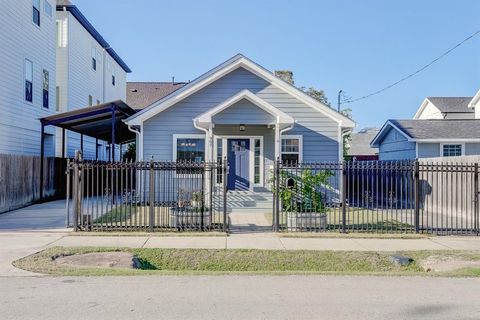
377, 196
150, 196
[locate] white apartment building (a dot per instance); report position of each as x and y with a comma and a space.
52, 60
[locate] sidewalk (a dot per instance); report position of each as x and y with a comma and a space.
15, 245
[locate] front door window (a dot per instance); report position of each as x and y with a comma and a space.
238, 160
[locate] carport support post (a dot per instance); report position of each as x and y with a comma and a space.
96, 149
63, 143
417, 195
42, 156
113, 107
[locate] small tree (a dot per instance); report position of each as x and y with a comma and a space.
285, 75
130, 153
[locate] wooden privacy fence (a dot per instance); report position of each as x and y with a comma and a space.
20, 180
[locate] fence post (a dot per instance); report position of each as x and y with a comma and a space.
224, 180
77, 189
416, 175
344, 197
151, 197
476, 198
67, 195
276, 218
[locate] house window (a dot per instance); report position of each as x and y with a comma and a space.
45, 88
452, 150
48, 8
190, 149
36, 12
94, 58
113, 77
291, 149
28, 80
256, 161
57, 98
90, 100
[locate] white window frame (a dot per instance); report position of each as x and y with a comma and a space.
47, 4
186, 136
90, 100
25, 78
94, 57
43, 84
300, 146
39, 13
461, 144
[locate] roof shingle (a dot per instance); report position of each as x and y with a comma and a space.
142, 94
439, 129
452, 104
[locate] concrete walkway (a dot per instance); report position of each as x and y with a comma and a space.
48, 215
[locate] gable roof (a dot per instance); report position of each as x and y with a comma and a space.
68, 6
359, 144
281, 117
451, 104
142, 94
475, 100
432, 130
224, 68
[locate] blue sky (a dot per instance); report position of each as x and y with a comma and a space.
356, 46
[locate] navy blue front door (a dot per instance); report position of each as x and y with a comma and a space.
238, 160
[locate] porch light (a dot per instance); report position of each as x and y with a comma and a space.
242, 127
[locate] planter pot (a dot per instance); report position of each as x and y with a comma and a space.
305, 221
189, 218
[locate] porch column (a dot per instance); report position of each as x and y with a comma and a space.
277, 141
210, 143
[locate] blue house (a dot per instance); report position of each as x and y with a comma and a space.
241, 111
412, 139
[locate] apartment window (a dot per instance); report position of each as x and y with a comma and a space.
90, 100
452, 150
45, 85
28, 80
94, 58
57, 98
47, 8
36, 12
291, 149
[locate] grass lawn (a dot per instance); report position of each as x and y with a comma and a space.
205, 261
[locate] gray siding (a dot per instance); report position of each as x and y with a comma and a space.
428, 150
320, 133
395, 146
472, 149
244, 110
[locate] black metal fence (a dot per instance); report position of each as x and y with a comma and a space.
377, 196
150, 196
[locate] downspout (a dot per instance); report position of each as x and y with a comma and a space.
137, 132
210, 140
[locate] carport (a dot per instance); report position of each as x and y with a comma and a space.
102, 122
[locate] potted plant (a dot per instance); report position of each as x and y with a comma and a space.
189, 213
302, 199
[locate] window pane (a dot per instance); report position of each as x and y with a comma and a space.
219, 159
48, 8
290, 158
190, 149
257, 161
59, 33
452, 150
36, 16
290, 145
36, 3
28, 80
57, 98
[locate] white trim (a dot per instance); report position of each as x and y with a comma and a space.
475, 100
449, 141
251, 161
187, 136
421, 108
452, 143
300, 145
281, 117
225, 68
374, 143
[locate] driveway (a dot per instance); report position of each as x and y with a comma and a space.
43, 216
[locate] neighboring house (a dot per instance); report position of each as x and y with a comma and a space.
27, 81
359, 148
241, 111
143, 94
445, 108
442, 127
411, 139
89, 72
48, 50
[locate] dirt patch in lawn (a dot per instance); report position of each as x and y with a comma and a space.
438, 263
124, 260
